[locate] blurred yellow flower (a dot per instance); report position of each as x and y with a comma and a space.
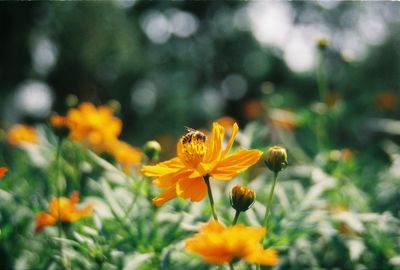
218, 244
95, 126
62, 209
126, 154
20, 134
3, 172
197, 157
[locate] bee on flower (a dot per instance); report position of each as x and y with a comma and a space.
20, 134
62, 209
218, 244
199, 157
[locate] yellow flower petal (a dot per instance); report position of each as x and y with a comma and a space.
234, 164
170, 166
228, 147
164, 197
194, 189
44, 220
215, 143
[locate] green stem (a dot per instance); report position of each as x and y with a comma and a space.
210, 196
235, 219
323, 89
269, 205
231, 266
321, 80
58, 186
134, 199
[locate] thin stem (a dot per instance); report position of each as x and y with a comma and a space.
323, 89
235, 219
231, 266
321, 80
134, 199
58, 185
269, 205
210, 196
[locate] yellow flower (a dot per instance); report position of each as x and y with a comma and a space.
62, 209
3, 172
95, 126
218, 244
126, 154
20, 134
197, 157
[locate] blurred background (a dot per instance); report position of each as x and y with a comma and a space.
171, 65
320, 78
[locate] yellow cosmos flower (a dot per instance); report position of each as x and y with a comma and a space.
3, 172
20, 134
94, 126
62, 209
198, 157
218, 244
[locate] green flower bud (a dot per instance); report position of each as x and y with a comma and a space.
152, 150
322, 43
242, 198
71, 101
276, 159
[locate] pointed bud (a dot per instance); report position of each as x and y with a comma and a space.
152, 150
276, 159
242, 198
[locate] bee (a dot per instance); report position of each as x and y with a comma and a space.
193, 135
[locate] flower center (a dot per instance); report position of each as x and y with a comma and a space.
193, 146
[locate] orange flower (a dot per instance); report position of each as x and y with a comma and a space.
3, 172
20, 134
62, 209
387, 100
218, 244
197, 157
58, 121
94, 126
126, 154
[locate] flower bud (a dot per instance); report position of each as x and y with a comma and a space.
276, 159
71, 101
152, 150
322, 43
242, 198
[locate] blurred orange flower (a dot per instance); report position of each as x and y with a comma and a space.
218, 244
3, 172
94, 126
226, 122
58, 121
62, 209
197, 157
253, 109
20, 134
283, 119
387, 100
126, 154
